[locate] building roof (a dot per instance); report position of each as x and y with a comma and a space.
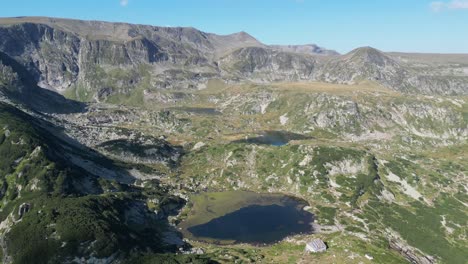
317, 244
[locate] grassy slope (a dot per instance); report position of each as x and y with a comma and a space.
64, 220
221, 165
419, 224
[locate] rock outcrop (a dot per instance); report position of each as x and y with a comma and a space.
23, 209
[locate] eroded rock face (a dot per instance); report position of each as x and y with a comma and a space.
8, 77
50, 55
142, 150
410, 253
23, 209
446, 85
59, 58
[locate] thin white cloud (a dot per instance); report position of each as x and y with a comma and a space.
123, 2
458, 4
438, 6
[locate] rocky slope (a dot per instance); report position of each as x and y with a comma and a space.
365, 64
265, 65
63, 202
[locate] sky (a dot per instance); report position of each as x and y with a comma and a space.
388, 25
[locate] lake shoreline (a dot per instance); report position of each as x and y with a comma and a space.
219, 206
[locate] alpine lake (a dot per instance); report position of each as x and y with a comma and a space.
273, 138
245, 217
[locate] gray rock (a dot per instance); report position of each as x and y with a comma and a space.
23, 209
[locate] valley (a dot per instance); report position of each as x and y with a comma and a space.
118, 163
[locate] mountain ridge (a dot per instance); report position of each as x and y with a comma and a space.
95, 60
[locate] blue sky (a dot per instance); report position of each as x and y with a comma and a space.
389, 25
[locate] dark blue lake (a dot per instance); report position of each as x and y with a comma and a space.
257, 224
274, 138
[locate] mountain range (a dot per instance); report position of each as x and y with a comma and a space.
91, 60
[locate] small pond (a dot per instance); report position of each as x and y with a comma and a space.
246, 217
198, 110
274, 138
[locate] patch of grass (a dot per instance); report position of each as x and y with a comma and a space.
171, 259
326, 215
421, 227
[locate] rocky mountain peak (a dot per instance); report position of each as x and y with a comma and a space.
368, 55
244, 36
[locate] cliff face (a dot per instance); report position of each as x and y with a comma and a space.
58, 59
85, 57
89, 60
51, 56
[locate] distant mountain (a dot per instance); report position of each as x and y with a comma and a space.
126, 63
263, 64
306, 49
367, 63
364, 64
